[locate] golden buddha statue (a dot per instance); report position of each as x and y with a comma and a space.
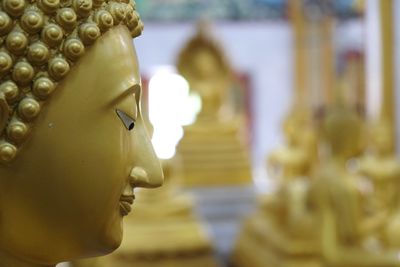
382, 169
212, 151
163, 230
301, 143
281, 232
341, 202
68, 168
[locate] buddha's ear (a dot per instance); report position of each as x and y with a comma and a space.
4, 112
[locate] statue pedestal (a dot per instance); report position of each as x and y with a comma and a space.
224, 208
213, 155
170, 242
263, 243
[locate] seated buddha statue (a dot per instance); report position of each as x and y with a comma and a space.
382, 169
212, 150
341, 202
73, 144
291, 166
301, 140
281, 232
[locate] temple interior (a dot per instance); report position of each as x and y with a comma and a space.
276, 123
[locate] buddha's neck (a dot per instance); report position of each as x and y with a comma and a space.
7, 260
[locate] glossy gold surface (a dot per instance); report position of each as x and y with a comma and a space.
65, 194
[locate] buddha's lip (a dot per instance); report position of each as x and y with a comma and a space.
125, 203
127, 198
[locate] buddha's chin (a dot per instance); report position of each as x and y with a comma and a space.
111, 238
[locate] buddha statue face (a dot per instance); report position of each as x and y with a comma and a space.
204, 66
342, 130
65, 193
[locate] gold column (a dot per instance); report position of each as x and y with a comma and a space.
387, 59
327, 59
301, 71
319, 30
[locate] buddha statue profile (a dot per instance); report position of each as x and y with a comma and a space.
72, 140
341, 201
213, 151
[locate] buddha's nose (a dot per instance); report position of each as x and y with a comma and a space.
139, 177
147, 171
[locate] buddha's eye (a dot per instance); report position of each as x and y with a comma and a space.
128, 122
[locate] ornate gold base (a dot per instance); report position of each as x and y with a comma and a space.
263, 244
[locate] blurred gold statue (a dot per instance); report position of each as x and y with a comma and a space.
212, 150
382, 169
163, 230
342, 204
72, 140
282, 232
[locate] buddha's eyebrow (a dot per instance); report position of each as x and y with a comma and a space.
131, 88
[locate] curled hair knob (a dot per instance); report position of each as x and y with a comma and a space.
5, 23
73, 49
28, 108
38, 53
82, 7
16, 42
58, 68
23, 73
43, 87
7, 152
49, 6
32, 21
67, 18
14, 8
10, 91
52, 35
5, 62
17, 131
117, 11
104, 20
138, 30
89, 32
132, 20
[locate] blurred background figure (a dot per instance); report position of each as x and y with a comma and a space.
277, 123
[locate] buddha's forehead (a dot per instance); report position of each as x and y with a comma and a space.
116, 54
112, 62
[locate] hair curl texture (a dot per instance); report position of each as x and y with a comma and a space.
40, 41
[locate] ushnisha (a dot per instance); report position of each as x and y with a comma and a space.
40, 41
